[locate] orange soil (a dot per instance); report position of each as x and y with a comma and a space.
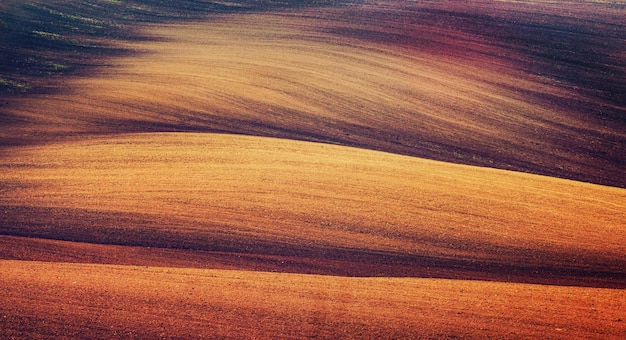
85, 300
264, 196
289, 75
153, 220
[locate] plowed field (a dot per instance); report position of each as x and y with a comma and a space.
357, 170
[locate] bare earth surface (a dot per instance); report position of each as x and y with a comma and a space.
379, 170
126, 301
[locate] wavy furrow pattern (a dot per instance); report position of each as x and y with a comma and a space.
332, 169
283, 76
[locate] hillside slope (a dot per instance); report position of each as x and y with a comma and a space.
385, 214
423, 80
333, 169
99, 301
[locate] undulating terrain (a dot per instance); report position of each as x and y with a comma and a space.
298, 169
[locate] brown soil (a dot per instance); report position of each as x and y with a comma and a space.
516, 87
102, 301
398, 215
265, 175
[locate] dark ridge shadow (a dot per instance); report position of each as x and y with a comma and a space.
46, 40
580, 53
510, 264
41, 38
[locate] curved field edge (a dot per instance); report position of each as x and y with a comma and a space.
419, 78
316, 207
94, 301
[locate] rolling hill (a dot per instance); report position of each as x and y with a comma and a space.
331, 169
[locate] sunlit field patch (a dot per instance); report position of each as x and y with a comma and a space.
331, 169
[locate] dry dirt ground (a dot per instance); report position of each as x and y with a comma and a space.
381, 170
104, 301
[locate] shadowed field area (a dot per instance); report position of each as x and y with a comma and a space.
454, 93
260, 196
251, 205
351, 169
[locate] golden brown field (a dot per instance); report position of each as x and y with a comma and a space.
379, 170
52, 299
